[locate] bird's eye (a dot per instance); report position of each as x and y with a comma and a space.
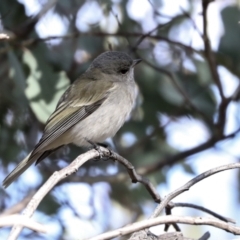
123, 71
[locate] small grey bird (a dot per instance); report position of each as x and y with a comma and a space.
92, 109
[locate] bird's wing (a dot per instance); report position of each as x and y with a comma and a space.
71, 111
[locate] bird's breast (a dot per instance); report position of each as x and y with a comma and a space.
108, 118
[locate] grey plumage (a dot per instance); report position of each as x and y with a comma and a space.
94, 107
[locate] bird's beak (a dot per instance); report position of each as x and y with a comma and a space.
136, 61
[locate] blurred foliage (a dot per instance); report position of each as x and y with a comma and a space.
229, 51
34, 74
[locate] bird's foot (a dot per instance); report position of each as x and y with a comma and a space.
105, 145
97, 146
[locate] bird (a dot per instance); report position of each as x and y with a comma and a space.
92, 109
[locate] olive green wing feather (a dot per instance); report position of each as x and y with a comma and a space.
80, 100
71, 111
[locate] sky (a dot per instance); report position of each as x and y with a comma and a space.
182, 134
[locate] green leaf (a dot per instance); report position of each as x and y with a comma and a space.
17, 74
188, 168
12, 13
49, 205
44, 87
229, 43
204, 74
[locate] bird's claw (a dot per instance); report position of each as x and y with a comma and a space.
97, 146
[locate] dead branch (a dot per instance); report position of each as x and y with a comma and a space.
168, 220
22, 221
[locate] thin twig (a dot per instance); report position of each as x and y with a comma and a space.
205, 236
190, 205
181, 91
175, 226
18, 207
22, 221
168, 219
210, 58
208, 51
149, 33
32, 41
157, 165
169, 161
166, 200
187, 14
136, 177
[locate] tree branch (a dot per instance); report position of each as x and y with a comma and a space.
169, 161
190, 205
50, 183
32, 41
159, 164
208, 50
169, 220
22, 221
17, 207
72, 168
166, 200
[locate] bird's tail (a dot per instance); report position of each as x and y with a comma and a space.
21, 167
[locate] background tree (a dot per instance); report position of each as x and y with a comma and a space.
189, 79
